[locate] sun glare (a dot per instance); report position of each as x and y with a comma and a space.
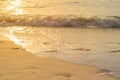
15, 7
19, 11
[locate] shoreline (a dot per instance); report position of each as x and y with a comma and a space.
18, 64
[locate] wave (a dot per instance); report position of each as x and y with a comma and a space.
61, 21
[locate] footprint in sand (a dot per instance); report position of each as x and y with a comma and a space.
15, 48
63, 76
51, 51
18, 48
47, 43
115, 51
81, 49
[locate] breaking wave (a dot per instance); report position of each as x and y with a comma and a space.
61, 21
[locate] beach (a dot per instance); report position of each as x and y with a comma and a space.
59, 40
18, 64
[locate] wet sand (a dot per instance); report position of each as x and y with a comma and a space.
18, 64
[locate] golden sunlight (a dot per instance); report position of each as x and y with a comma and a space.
15, 7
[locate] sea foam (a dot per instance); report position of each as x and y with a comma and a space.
61, 21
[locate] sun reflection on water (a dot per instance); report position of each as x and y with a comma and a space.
15, 7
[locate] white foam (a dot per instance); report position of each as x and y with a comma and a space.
60, 21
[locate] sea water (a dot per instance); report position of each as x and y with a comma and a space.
79, 31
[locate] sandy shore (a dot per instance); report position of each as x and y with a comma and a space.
18, 64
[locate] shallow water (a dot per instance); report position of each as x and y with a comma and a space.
99, 47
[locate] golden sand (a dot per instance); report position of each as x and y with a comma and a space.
18, 64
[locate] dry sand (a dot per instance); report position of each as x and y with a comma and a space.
18, 64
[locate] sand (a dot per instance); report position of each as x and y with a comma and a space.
18, 64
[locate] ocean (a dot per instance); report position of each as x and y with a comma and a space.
79, 31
